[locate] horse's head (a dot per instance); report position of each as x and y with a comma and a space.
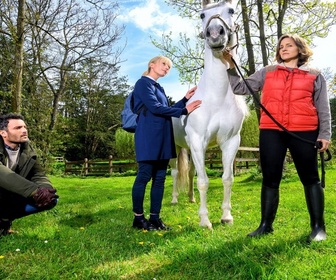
219, 29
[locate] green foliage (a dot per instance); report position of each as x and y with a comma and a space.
124, 144
57, 169
311, 20
250, 131
89, 236
333, 117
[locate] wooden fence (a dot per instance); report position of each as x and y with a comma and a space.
99, 167
246, 157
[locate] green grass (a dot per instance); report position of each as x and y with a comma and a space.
89, 236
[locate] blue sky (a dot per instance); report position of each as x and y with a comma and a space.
151, 18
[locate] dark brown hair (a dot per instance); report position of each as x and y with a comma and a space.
304, 51
4, 119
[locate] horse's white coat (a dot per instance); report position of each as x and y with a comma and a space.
219, 119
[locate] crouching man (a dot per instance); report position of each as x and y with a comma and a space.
24, 187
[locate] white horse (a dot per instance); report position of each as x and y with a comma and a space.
219, 119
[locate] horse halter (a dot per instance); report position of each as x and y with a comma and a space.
231, 30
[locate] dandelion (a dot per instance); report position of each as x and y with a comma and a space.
1, 257
159, 234
17, 250
141, 243
81, 228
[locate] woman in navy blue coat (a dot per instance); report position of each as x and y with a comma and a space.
154, 140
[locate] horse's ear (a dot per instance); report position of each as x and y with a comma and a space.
206, 2
233, 38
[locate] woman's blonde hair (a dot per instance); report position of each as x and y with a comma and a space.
304, 51
156, 59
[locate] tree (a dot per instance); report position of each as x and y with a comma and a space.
6, 75
70, 54
18, 59
90, 114
15, 33
70, 33
124, 144
263, 23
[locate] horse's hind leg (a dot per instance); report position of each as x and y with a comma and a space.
191, 192
226, 205
174, 172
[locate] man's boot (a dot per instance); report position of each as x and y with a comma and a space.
269, 207
5, 226
315, 204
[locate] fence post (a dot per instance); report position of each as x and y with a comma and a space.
86, 166
110, 164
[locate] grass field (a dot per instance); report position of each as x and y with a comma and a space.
89, 236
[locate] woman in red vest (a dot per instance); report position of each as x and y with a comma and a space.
296, 96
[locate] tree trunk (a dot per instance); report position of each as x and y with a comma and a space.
262, 33
249, 48
18, 64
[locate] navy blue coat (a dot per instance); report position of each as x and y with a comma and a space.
154, 137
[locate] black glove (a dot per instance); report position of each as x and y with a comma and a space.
44, 197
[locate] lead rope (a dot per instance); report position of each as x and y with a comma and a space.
317, 144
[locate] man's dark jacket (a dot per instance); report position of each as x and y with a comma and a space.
28, 175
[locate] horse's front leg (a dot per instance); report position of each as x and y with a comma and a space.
202, 186
227, 180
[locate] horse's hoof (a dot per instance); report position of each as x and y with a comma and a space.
206, 224
174, 201
227, 222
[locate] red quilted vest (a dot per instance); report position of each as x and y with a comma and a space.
288, 96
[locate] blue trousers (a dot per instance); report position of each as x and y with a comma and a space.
147, 170
14, 206
273, 148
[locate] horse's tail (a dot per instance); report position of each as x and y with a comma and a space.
183, 170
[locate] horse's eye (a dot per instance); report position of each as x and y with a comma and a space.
202, 15
231, 11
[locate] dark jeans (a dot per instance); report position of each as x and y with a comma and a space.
14, 206
273, 147
155, 170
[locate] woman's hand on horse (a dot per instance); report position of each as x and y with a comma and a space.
226, 58
193, 105
190, 92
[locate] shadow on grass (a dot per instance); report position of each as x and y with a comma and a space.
242, 258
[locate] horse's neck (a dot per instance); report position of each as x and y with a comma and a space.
214, 76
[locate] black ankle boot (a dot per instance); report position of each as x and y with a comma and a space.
5, 226
269, 207
315, 204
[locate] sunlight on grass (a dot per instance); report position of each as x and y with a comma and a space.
89, 235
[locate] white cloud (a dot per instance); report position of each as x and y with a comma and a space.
155, 18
